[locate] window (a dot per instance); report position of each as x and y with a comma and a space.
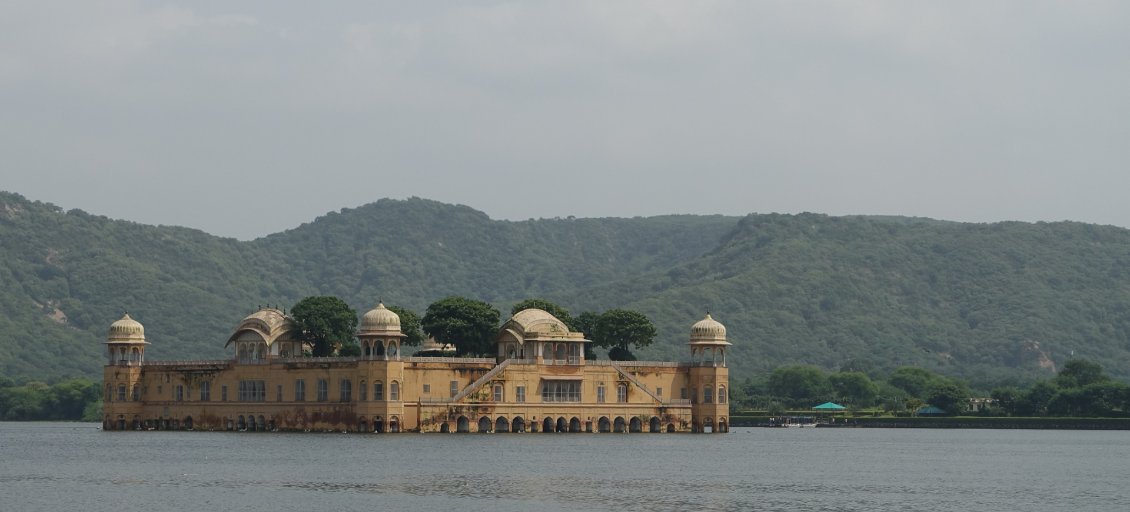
299, 390
223, 392
378, 390
454, 387
136, 393
721, 394
394, 391
278, 393
600, 393
497, 393
252, 391
622, 393
708, 395
683, 393
346, 390
205, 391
323, 390
427, 388
658, 391
121, 392
178, 394
520, 394
560, 391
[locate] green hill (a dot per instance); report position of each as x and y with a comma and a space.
990, 302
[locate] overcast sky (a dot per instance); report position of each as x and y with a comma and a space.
244, 119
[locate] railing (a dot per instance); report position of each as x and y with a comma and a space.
476, 360
634, 380
708, 364
212, 362
480, 381
315, 360
658, 364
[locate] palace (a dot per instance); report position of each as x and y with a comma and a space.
539, 381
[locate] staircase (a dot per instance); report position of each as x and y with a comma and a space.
481, 380
631, 378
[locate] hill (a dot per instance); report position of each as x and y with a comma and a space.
995, 303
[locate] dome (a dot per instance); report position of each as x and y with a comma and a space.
266, 324
126, 330
538, 320
380, 319
708, 330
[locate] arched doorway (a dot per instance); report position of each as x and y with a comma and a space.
251, 424
136, 422
463, 425
547, 425
575, 424
187, 422
671, 427
722, 425
121, 422
362, 425
262, 423
653, 425
707, 426
603, 425
518, 425
378, 424
241, 424
444, 428
618, 425
562, 426
394, 424
484, 424
635, 426
501, 425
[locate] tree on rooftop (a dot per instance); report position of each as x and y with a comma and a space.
468, 325
617, 329
409, 326
325, 322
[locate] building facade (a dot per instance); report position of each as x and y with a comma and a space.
539, 381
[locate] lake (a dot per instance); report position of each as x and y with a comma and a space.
75, 466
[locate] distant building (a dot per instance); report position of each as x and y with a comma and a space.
538, 382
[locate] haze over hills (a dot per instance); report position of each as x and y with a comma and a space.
991, 302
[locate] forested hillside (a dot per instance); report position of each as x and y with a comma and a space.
991, 302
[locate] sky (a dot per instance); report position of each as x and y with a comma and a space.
248, 118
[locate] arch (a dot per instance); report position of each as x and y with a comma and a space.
187, 422
723, 426
575, 424
121, 422
444, 428
241, 424
378, 424
547, 424
262, 423
603, 425
707, 425
136, 422
251, 425
362, 425
484, 424
671, 427
501, 425
618, 425
721, 394
229, 424
394, 391
273, 424
380, 349
562, 425
393, 349
518, 425
394, 424
635, 425
653, 425
463, 425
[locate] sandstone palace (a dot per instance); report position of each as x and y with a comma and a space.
539, 381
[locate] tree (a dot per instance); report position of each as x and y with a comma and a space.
547, 306
468, 325
915, 381
1077, 373
801, 384
325, 322
409, 326
586, 323
948, 396
854, 387
616, 329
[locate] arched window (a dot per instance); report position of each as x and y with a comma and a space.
721, 394
394, 391
621, 393
346, 390
378, 390
392, 349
